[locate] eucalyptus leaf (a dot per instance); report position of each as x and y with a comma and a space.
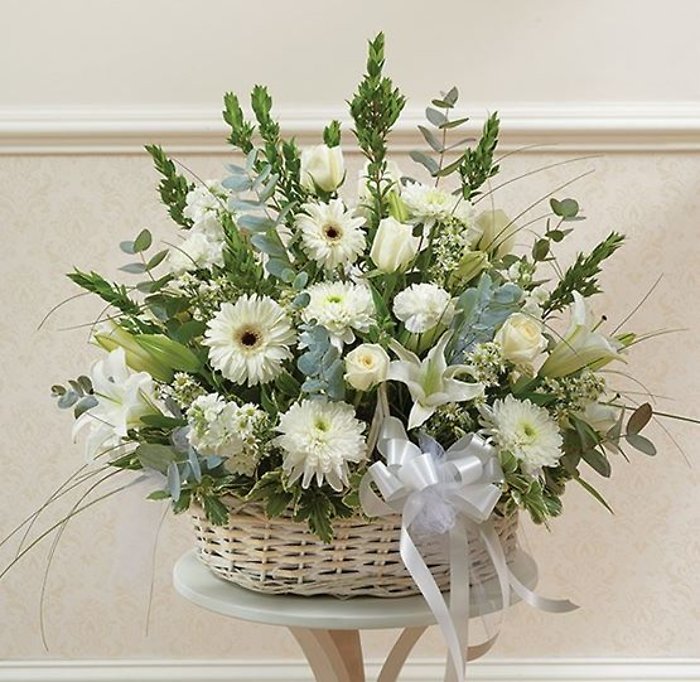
155, 456
134, 268
437, 118
143, 241
639, 419
644, 445
174, 488
430, 138
429, 163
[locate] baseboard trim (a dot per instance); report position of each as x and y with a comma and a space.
527, 670
557, 127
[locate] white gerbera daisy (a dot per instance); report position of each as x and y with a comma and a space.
340, 307
526, 431
319, 439
329, 234
249, 340
422, 306
426, 203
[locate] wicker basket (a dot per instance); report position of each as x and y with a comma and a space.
280, 556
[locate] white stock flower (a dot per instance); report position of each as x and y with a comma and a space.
322, 167
340, 308
432, 203
394, 245
329, 234
366, 366
226, 430
210, 227
497, 232
122, 398
581, 346
319, 439
521, 340
249, 340
526, 431
422, 307
196, 252
430, 382
205, 200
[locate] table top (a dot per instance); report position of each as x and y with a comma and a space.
194, 581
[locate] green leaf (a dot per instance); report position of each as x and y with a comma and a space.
540, 250
169, 352
644, 445
639, 419
451, 96
597, 460
448, 125
430, 138
173, 188
143, 241
161, 421
331, 134
592, 491
156, 456
156, 259
567, 208
429, 163
437, 118
241, 131
158, 495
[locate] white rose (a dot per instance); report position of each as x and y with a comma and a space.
394, 245
366, 366
601, 417
322, 167
521, 339
497, 232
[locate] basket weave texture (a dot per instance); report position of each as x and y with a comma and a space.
281, 556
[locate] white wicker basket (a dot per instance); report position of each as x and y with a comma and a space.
281, 556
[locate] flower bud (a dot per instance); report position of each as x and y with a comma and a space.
394, 245
322, 167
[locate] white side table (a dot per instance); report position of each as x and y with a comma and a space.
326, 628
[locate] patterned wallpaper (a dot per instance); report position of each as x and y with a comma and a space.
635, 574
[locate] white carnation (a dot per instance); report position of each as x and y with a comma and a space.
329, 234
340, 308
423, 306
526, 431
319, 439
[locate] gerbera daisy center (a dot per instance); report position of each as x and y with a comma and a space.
249, 337
333, 232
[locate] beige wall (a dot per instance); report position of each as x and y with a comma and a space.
634, 574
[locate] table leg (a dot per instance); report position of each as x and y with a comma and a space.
399, 653
334, 656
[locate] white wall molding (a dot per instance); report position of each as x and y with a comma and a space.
559, 127
550, 670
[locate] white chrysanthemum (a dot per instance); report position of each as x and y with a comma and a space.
204, 200
329, 234
426, 203
210, 227
249, 340
227, 430
195, 253
422, 306
526, 431
319, 439
340, 307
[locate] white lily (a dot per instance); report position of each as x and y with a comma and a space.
581, 346
430, 381
122, 399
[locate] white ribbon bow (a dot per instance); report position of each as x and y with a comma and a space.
462, 481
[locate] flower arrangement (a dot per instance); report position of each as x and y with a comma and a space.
258, 354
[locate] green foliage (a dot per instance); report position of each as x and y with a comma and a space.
331, 134
375, 108
480, 312
318, 507
114, 294
173, 188
582, 275
477, 165
322, 365
241, 130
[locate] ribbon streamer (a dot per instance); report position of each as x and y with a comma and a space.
445, 492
